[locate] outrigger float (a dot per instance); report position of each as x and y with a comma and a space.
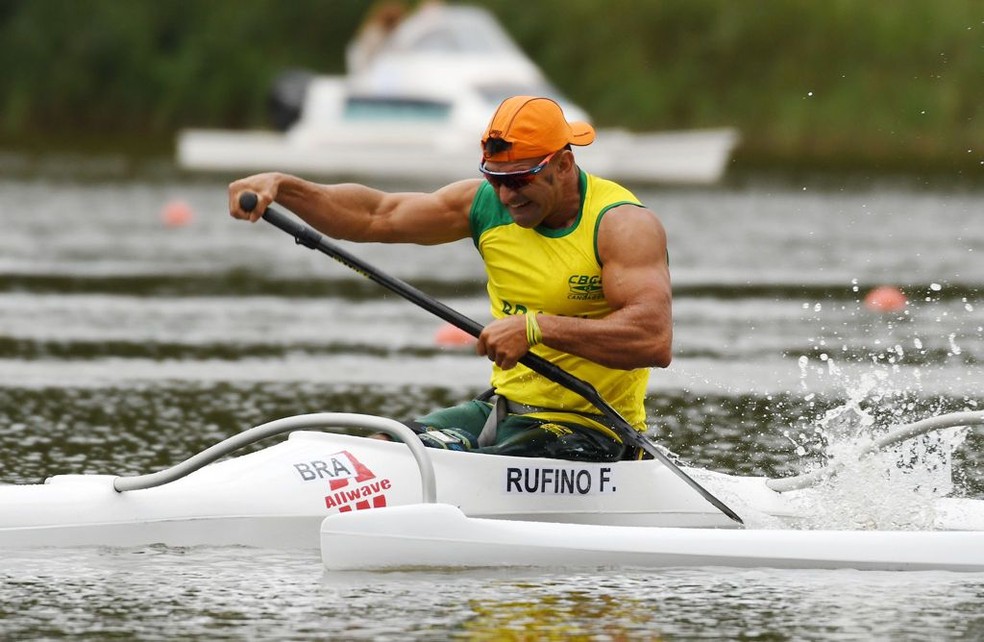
374, 504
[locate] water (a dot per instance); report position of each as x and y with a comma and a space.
127, 345
195, 594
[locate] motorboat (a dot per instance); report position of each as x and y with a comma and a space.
375, 504
414, 110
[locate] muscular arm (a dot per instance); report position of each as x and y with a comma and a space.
636, 280
359, 213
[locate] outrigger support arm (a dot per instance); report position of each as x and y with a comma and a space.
898, 435
331, 421
308, 237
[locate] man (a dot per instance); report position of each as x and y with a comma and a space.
577, 273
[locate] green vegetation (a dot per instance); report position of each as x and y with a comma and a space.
892, 84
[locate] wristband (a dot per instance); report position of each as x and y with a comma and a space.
533, 334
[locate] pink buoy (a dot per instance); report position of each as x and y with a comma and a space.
885, 298
176, 214
449, 336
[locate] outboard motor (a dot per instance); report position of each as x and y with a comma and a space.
286, 98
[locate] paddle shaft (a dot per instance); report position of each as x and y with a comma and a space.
304, 235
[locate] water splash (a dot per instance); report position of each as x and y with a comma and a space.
890, 489
880, 386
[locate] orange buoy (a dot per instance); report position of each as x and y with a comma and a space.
885, 298
176, 214
449, 336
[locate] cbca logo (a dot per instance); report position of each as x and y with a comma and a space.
584, 286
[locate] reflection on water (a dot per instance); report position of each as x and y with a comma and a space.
178, 593
129, 342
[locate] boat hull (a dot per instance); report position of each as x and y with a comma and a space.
278, 496
698, 157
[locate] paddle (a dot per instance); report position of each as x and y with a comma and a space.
304, 235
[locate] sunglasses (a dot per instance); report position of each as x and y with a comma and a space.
514, 180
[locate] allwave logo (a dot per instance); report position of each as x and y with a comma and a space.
351, 484
584, 286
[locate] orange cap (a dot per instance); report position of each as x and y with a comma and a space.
535, 126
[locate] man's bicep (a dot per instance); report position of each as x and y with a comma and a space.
632, 248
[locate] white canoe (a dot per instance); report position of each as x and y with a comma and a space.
433, 507
277, 496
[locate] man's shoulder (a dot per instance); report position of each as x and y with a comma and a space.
461, 194
487, 211
607, 191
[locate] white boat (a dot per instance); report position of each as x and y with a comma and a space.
372, 504
416, 112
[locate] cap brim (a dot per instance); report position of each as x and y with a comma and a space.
582, 133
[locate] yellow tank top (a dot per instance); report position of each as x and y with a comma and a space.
555, 271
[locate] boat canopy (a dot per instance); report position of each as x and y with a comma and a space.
435, 53
453, 30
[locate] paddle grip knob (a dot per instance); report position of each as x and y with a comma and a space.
248, 201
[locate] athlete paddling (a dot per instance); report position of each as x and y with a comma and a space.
577, 273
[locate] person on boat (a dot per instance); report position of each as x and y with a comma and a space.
382, 21
577, 273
